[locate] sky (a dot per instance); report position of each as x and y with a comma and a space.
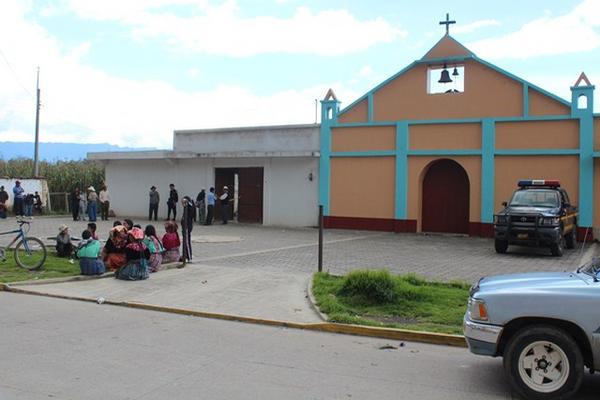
129, 72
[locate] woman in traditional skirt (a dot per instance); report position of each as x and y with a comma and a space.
156, 249
137, 255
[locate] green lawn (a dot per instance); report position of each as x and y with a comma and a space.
54, 267
417, 304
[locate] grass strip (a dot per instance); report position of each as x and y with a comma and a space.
416, 304
54, 267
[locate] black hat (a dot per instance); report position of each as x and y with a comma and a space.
152, 187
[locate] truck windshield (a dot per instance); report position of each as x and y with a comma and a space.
535, 198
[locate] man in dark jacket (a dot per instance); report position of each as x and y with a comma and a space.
154, 201
3, 195
172, 202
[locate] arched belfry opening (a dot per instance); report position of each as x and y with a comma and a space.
445, 198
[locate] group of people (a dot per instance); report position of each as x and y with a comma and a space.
129, 251
201, 210
23, 203
88, 202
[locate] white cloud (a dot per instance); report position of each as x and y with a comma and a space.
81, 103
473, 26
222, 30
576, 31
366, 71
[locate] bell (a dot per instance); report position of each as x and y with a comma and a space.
445, 76
455, 72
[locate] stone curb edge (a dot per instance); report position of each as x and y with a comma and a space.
77, 278
357, 330
313, 301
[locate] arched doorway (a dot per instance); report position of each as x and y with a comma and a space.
445, 205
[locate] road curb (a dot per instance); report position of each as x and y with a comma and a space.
77, 278
356, 330
313, 301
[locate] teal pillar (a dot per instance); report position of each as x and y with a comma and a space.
401, 192
329, 113
488, 145
582, 107
370, 107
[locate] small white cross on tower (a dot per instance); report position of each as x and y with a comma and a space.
447, 22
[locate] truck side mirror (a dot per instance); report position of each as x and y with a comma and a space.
505, 204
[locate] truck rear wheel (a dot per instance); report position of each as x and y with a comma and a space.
501, 246
543, 362
557, 249
571, 238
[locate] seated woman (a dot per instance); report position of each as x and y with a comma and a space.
156, 249
137, 258
88, 252
171, 243
64, 247
113, 253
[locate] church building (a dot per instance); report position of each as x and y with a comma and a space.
440, 145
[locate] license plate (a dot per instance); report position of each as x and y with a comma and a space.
522, 236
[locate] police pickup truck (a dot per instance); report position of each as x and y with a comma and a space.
539, 214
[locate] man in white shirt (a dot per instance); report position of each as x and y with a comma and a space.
104, 198
224, 199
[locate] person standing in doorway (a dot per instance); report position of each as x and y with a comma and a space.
224, 199
19, 198
92, 204
154, 198
29, 200
210, 206
3, 196
75, 203
172, 202
104, 198
201, 204
38, 203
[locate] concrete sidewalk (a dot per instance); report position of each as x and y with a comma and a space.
243, 292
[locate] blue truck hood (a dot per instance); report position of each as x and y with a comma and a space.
530, 210
532, 281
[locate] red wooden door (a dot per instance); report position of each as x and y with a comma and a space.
250, 195
445, 205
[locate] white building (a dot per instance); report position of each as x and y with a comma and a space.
273, 170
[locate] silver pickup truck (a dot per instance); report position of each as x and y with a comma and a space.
546, 326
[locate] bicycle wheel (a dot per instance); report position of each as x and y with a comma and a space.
31, 256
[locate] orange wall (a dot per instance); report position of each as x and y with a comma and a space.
417, 168
363, 138
540, 104
596, 222
511, 169
406, 97
538, 135
449, 136
358, 113
362, 187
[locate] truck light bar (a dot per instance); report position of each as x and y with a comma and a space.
539, 182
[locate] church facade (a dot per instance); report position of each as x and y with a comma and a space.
440, 145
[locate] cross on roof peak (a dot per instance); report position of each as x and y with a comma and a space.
447, 22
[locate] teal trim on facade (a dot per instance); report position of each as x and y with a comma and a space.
525, 100
537, 152
441, 60
373, 153
488, 172
401, 191
522, 81
364, 124
586, 171
370, 107
534, 118
329, 115
445, 121
436, 153
596, 154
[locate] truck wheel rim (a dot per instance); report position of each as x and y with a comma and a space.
543, 367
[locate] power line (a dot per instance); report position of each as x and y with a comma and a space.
15, 74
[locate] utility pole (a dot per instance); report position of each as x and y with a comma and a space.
36, 154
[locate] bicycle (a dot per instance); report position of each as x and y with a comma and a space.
30, 252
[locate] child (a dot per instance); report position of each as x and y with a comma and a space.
171, 243
156, 249
64, 247
137, 258
88, 251
92, 229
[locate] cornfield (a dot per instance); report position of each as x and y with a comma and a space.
62, 176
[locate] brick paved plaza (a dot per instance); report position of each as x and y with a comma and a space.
295, 250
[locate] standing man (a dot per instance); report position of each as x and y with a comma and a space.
172, 202
154, 201
224, 198
104, 198
75, 197
210, 206
37, 203
19, 196
92, 204
187, 224
201, 204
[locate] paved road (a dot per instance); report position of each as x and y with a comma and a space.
64, 349
294, 250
